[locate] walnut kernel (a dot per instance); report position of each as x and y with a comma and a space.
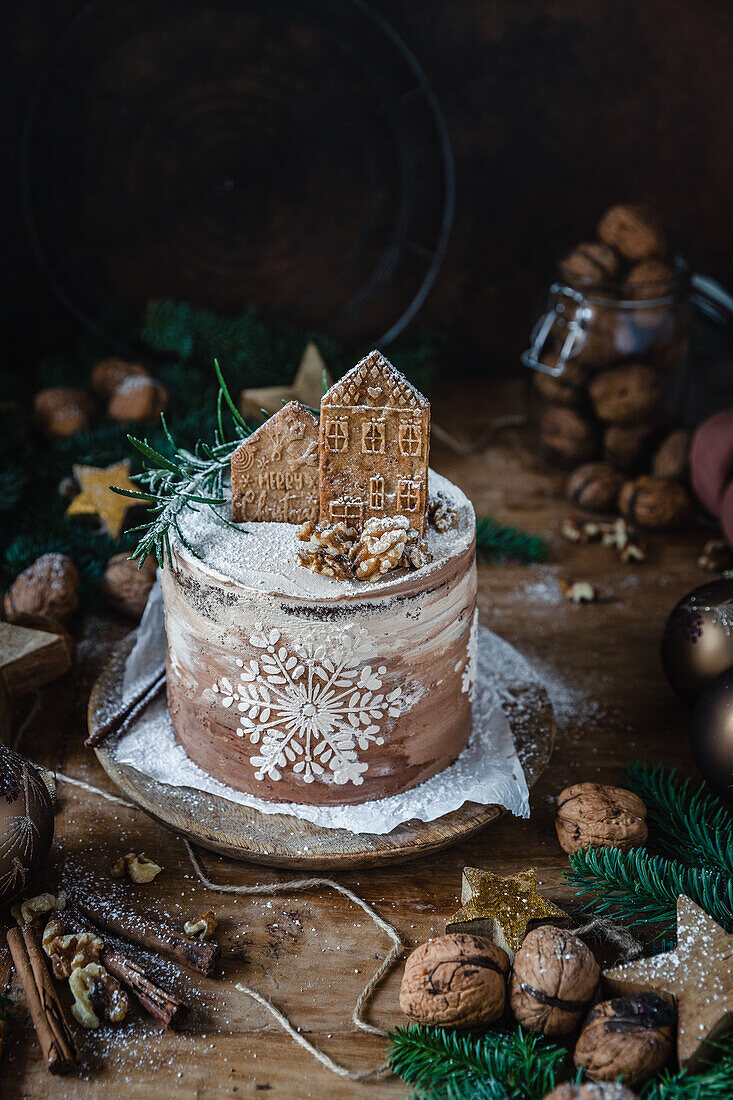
578, 592
380, 547
25, 912
442, 512
139, 868
203, 927
70, 951
96, 993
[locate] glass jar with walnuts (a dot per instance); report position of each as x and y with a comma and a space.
615, 330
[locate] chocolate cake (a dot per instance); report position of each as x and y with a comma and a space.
332, 662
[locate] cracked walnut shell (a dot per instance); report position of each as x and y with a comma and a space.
457, 980
595, 815
626, 1038
554, 979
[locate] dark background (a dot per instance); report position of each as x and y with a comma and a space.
554, 110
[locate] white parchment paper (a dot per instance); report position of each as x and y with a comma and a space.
488, 771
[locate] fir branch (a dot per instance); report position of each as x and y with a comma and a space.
714, 1083
499, 1065
685, 822
639, 888
495, 542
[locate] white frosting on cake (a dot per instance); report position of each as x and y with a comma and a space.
261, 556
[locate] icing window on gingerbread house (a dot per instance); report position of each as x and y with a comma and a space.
337, 434
408, 495
372, 437
346, 511
410, 438
376, 493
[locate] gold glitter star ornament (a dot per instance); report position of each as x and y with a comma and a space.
503, 908
697, 976
97, 498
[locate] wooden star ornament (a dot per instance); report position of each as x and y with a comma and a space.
307, 388
503, 909
697, 976
28, 659
97, 499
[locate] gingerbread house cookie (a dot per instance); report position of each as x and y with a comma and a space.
373, 448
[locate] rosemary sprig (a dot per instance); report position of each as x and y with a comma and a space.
184, 479
685, 822
639, 888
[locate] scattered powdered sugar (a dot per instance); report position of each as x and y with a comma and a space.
262, 555
488, 771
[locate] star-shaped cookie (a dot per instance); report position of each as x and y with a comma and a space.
697, 975
97, 499
502, 908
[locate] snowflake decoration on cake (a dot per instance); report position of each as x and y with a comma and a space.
311, 704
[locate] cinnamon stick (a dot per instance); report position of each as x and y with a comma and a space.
120, 720
195, 954
52, 1028
154, 998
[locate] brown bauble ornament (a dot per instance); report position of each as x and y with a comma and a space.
697, 645
712, 735
26, 823
554, 979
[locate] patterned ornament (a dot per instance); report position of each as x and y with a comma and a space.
97, 499
502, 909
698, 638
311, 703
712, 735
26, 823
697, 975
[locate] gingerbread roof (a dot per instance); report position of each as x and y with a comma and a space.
374, 381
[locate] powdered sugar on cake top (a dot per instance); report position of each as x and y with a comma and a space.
262, 555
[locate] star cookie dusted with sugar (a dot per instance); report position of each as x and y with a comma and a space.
97, 497
697, 975
502, 908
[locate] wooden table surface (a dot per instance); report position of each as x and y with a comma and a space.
311, 953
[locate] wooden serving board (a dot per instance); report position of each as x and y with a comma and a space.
280, 840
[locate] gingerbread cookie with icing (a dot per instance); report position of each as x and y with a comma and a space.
275, 470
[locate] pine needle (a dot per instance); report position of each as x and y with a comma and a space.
639, 888
715, 1083
685, 822
499, 1065
496, 542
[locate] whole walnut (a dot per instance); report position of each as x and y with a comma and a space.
634, 229
608, 337
626, 394
591, 1090
595, 815
627, 1038
126, 585
628, 445
567, 388
591, 263
595, 486
567, 433
655, 502
47, 589
650, 279
554, 980
61, 411
457, 980
671, 457
137, 398
108, 374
